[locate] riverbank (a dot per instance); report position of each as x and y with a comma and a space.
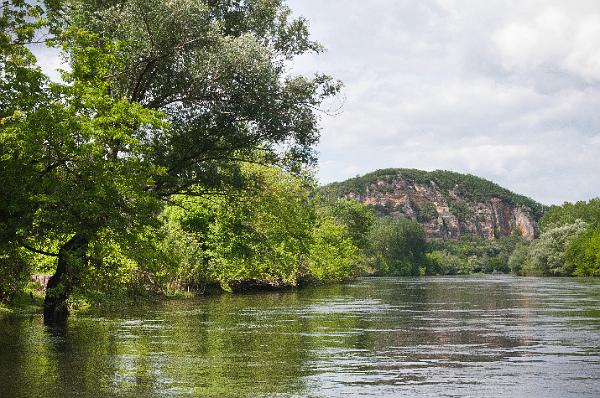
24, 302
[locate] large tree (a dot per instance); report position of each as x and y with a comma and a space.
161, 98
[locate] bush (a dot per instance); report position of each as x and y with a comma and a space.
332, 255
480, 255
271, 236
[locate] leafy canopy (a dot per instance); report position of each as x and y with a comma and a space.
161, 98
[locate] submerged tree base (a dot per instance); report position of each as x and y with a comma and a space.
256, 285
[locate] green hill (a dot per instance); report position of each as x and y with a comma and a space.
449, 205
468, 186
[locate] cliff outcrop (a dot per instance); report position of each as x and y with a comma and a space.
448, 205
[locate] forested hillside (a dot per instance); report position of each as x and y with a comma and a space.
448, 204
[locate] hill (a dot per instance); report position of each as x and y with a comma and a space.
448, 204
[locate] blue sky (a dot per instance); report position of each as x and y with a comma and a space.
506, 90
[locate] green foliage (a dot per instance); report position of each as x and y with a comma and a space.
547, 254
182, 246
15, 270
470, 187
568, 213
518, 258
443, 262
471, 255
568, 244
219, 70
426, 212
82, 150
259, 234
459, 209
583, 254
397, 246
271, 234
161, 98
22, 91
357, 217
332, 254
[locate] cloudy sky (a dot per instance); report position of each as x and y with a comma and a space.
507, 90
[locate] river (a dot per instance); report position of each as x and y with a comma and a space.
478, 336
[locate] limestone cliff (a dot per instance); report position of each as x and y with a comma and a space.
448, 205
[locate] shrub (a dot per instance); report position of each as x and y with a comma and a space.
445, 263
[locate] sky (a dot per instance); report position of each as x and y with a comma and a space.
506, 90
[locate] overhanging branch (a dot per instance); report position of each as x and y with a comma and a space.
38, 251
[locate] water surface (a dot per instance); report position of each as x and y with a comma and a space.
392, 337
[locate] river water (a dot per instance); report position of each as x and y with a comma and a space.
379, 337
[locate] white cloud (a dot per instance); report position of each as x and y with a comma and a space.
552, 40
510, 92
584, 57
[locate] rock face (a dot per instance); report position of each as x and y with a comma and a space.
443, 205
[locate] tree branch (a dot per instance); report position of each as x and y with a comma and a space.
33, 249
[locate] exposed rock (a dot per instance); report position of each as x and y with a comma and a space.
445, 213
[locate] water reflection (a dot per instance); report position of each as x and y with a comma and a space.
473, 336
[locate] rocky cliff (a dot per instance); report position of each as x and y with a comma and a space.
448, 205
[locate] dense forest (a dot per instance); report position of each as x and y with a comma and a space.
176, 155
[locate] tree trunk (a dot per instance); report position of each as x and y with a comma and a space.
71, 260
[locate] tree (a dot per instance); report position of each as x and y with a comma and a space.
547, 253
398, 246
257, 236
583, 254
162, 98
519, 257
269, 235
332, 254
357, 217
568, 213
